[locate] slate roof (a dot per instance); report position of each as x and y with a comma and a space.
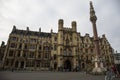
31, 33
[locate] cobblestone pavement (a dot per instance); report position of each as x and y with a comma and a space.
49, 76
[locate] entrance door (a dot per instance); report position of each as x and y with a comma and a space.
22, 64
67, 65
55, 66
16, 64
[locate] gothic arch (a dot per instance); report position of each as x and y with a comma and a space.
22, 64
67, 65
16, 64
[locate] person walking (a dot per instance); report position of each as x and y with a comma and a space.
109, 74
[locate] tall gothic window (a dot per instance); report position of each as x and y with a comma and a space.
39, 55
67, 41
13, 45
40, 47
13, 39
25, 46
70, 52
65, 52
61, 51
31, 55
55, 38
33, 47
46, 55
55, 56
38, 64
55, 47
20, 46
18, 54
11, 53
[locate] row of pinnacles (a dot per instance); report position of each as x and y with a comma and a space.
60, 26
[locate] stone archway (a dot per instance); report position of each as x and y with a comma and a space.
16, 64
67, 65
83, 65
22, 64
55, 66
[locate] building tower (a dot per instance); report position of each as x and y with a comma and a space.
98, 69
60, 41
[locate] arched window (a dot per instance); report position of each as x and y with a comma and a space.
25, 46
83, 65
65, 52
55, 56
24, 54
20, 46
13, 45
18, 55
22, 64
16, 64
40, 47
55, 38
70, 52
67, 41
11, 53
55, 47
61, 51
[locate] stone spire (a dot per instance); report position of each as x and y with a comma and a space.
93, 17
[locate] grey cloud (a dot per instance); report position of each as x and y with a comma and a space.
45, 14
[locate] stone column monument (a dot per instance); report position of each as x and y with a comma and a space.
98, 69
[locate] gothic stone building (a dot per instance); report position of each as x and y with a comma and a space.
2, 50
66, 49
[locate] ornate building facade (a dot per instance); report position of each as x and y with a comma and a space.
66, 49
2, 50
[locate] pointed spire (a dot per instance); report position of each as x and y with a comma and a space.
93, 17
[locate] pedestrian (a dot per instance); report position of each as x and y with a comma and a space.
109, 74
112, 74
114, 69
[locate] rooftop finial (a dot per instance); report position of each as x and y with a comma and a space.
40, 29
3, 43
14, 28
51, 30
27, 28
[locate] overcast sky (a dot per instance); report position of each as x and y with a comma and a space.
45, 14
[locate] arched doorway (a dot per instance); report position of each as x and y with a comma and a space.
16, 64
55, 66
83, 65
67, 65
22, 64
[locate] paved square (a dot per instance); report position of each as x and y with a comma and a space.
49, 76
